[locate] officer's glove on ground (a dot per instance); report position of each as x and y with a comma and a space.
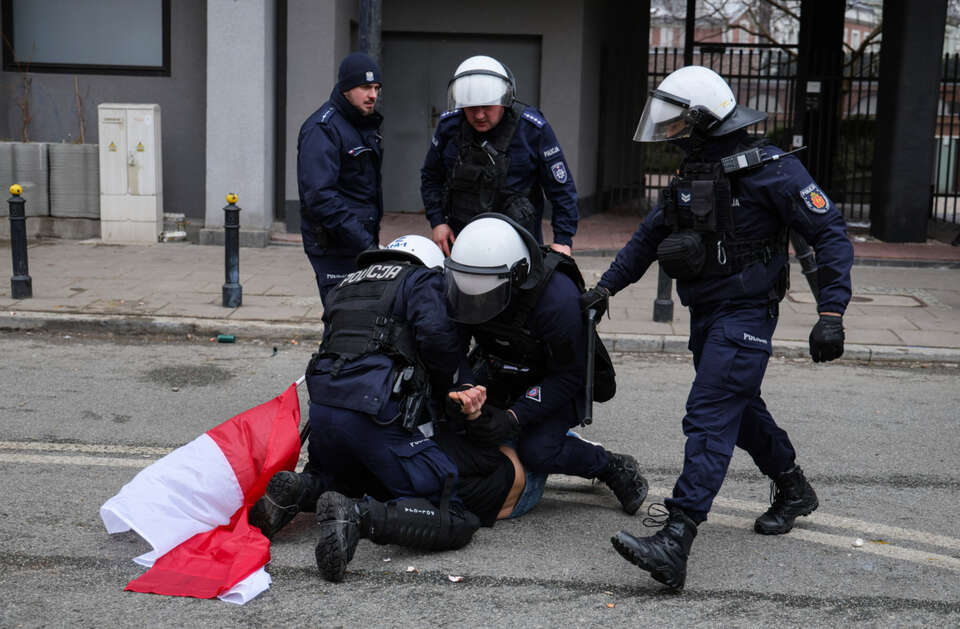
493, 427
596, 298
826, 339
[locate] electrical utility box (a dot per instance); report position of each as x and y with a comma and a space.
131, 179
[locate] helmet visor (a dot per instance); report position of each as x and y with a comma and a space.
663, 119
475, 88
476, 294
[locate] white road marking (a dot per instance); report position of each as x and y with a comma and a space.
560, 488
83, 447
52, 459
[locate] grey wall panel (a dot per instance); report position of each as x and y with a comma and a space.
560, 25
181, 96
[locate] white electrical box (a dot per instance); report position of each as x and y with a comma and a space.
131, 179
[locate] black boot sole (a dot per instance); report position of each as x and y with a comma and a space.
339, 535
269, 513
624, 545
787, 525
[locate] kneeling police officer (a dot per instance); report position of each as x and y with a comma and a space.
520, 303
721, 230
388, 342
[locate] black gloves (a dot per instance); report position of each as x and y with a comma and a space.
493, 427
452, 408
826, 339
597, 298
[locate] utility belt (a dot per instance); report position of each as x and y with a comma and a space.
462, 208
413, 390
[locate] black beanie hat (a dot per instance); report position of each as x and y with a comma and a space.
357, 68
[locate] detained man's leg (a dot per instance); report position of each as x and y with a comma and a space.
791, 495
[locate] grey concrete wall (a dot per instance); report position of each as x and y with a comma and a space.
318, 37
240, 107
590, 95
181, 97
562, 24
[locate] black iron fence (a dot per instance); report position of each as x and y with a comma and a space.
766, 79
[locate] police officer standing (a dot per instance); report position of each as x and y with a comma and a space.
520, 303
492, 153
338, 172
721, 229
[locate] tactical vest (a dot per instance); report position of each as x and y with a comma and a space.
477, 181
508, 347
361, 320
704, 243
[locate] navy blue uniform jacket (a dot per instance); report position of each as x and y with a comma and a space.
777, 193
536, 159
338, 173
365, 384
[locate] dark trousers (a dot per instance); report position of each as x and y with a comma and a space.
731, 346
386, 462
329, 270
546, 448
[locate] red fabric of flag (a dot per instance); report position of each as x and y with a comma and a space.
257, 444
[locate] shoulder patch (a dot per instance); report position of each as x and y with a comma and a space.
449, 113
533, 393
815, 199
534, 118
325, 116
550, 152
559, 172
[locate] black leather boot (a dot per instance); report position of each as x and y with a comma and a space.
410, 522
663, 554
287, 494
622, 475
792, 496
339, 521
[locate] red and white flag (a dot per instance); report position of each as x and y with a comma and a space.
191, 506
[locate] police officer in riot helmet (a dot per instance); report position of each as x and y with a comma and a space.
721, 230
388, 344
519, 302
492, 153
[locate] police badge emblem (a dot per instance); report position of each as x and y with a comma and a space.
533, 393
559, 172
369, 76
815, 199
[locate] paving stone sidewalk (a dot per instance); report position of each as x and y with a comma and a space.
906, 303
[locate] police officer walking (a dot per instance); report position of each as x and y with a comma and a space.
520, 303
338, 172
721, 229
492, 153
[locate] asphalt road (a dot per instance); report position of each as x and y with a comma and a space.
79, 416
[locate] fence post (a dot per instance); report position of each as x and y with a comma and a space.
21, 286
663, 305
232, 291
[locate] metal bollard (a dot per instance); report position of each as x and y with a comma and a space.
20, 284
232, 291
663, 305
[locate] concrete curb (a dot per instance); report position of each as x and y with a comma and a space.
621, 343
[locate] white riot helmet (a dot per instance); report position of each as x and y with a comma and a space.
422, 248
491, 258
412, 247
481, 80
691, 99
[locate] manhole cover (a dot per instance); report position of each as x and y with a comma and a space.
893, 299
